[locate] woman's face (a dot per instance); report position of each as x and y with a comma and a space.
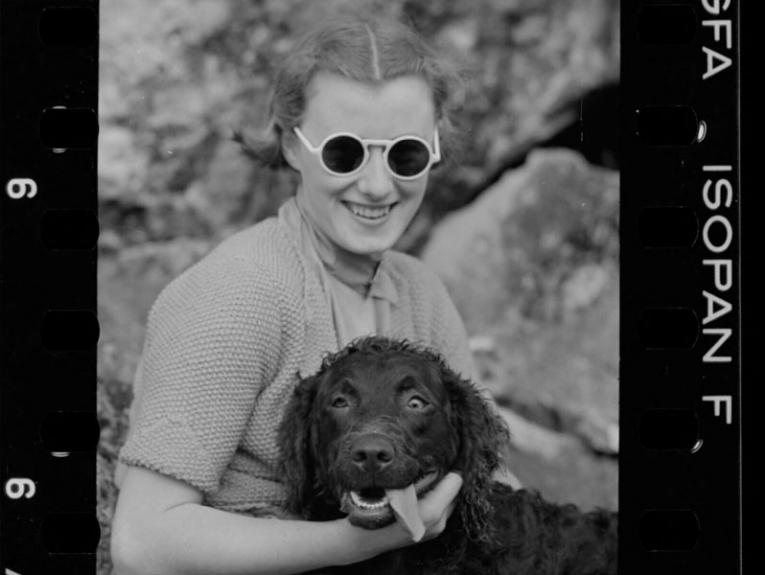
367, 212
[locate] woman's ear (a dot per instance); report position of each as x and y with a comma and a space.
289, 144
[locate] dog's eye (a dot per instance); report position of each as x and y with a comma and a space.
416, 402
339, 402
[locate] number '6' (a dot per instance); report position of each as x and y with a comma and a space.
18, 188
18, 487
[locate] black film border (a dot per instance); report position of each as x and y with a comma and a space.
680, 366
48, 259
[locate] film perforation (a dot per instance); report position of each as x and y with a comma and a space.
62, 128
670, 429
63, 432
668, 530
668, 227
69, 229
668, 328
669, 125
69, 330
70, 533
72, 27
667, 24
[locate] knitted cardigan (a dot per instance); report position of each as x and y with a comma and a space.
226, 343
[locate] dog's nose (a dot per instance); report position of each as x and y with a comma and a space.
372, 453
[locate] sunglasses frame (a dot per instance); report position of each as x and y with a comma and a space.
435, 154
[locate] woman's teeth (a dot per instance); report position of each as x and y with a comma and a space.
369, 213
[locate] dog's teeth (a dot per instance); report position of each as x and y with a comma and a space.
360, 502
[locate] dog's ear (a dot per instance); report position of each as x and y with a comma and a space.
482, 437
296, 465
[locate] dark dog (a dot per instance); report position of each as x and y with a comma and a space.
381, 415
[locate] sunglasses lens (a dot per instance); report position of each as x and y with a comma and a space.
343, 154
408, 158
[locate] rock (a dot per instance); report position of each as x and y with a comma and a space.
541, 242
574, 476
122, 164
560, 376
583, 287
531, 438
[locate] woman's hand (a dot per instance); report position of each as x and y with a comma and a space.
432, 513
433, 509
437, 505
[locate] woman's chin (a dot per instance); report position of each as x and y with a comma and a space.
368, 244
368, 248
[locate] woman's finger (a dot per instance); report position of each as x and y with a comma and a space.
439, 524
446, 489
435, 503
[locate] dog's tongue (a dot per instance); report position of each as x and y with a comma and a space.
404, 505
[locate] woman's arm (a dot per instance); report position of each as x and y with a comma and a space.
161, 527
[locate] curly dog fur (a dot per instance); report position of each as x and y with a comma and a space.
381, 413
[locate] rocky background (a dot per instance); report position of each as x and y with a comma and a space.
522, 227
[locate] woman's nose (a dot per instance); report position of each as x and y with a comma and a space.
375, 181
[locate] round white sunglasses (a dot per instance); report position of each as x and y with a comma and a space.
345, 154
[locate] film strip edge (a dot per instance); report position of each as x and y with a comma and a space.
680, 374
49, 327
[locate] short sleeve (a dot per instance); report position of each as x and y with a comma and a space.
212, 344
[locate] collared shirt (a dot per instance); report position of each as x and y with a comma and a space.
358, 307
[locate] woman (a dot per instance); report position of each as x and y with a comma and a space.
357, 111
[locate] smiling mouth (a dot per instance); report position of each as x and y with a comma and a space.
368, 212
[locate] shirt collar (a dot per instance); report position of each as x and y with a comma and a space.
367, 275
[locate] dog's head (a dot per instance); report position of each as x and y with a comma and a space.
381, 415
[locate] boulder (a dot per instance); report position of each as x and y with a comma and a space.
540, 243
